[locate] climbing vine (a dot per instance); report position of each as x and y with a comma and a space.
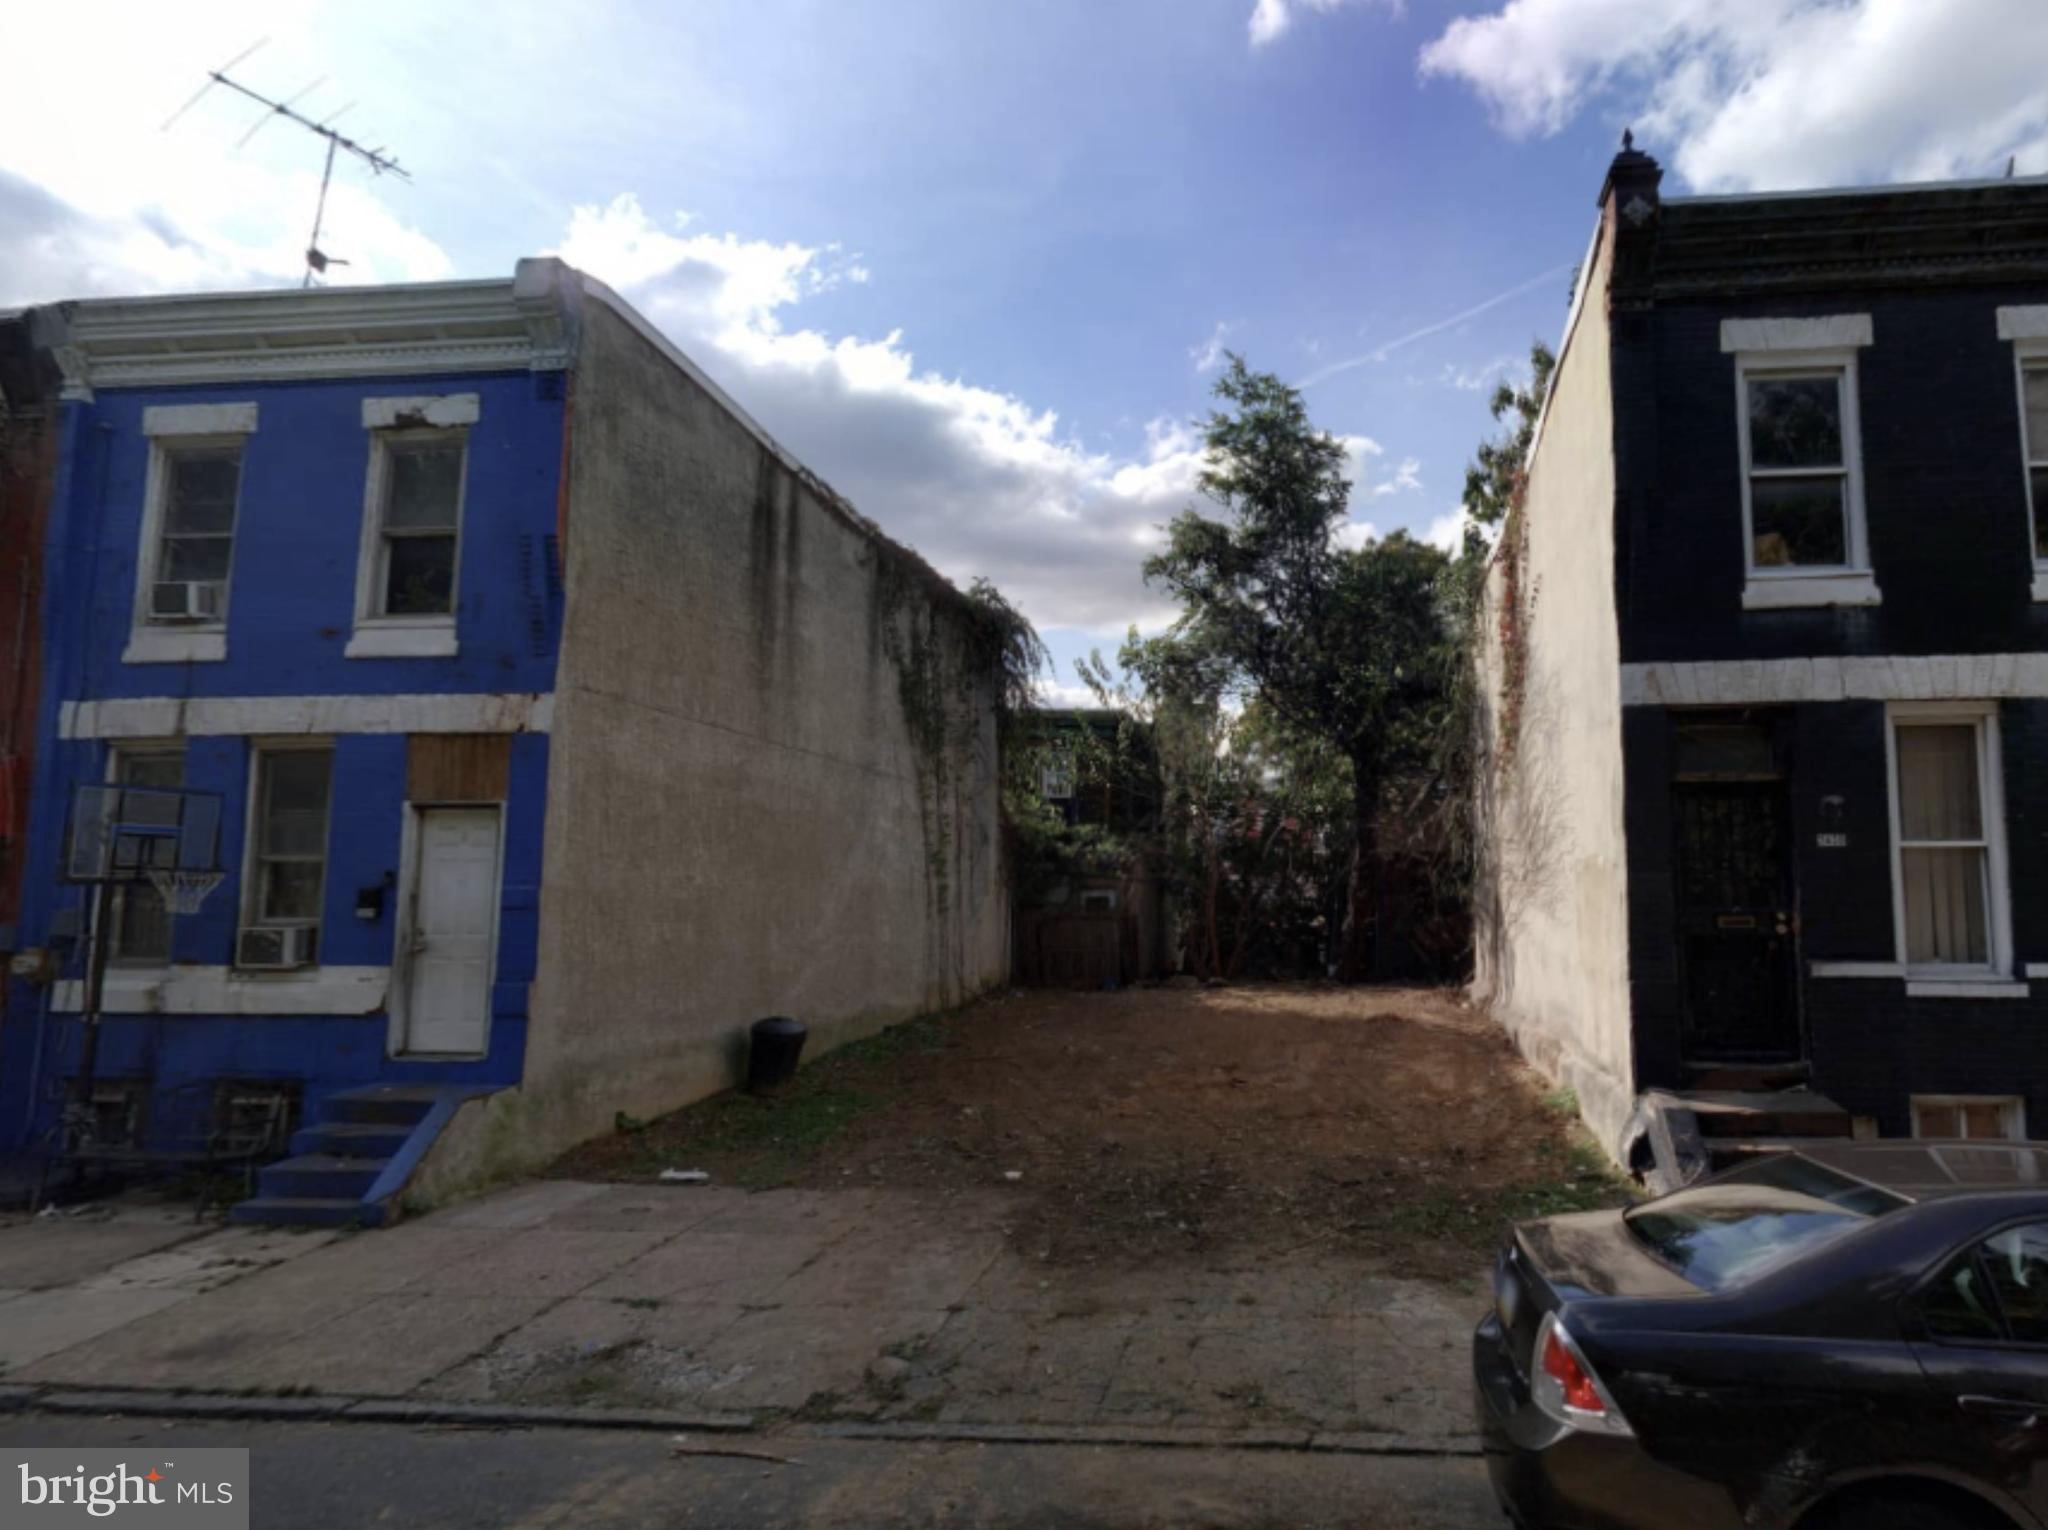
954, 655
1515, 613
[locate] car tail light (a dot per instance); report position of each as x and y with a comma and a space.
1566, 1388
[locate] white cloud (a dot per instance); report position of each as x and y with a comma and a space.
1478, 379
1407, 476
1208, 356
1447, 530
1270, 18
1352, 535
1764, 94
973, 478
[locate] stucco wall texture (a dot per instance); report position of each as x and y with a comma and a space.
1552, 918
743, 819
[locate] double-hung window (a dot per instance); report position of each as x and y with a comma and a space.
191, 503
1804, 541
285, 879
141, 923
2034, 412
1948, 842
407, 577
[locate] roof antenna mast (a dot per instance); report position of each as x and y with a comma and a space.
380, 163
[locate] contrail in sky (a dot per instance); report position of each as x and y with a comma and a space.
1381, 352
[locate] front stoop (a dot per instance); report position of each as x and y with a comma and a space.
348, 1170
1678, 1136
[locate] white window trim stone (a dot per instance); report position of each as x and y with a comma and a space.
1840, 331
185, 425
183, 989
388, 421
1957, 980
1849, 584
212, 716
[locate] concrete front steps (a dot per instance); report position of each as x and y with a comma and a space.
1683, 1135
348, 1170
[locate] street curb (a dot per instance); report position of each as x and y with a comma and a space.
210, 1406
368, 1410
1189, 1438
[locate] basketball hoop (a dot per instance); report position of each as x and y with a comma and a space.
182, 891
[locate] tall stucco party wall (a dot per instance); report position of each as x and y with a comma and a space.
773, 780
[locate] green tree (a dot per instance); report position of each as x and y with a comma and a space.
1491, 479
1347, 646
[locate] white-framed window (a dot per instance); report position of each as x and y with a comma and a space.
2031, 357
1804, 537
284, 876
1970, 1117
191, 503
1949, 890
1056, 778
141, 925
407, 572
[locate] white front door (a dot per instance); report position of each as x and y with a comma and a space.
452, 940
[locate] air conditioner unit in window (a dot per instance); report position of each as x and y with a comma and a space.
274, 947
186, 600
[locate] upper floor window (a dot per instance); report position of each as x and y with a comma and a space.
1798, 471
1802, 476
412, 526
191, 502
2034, 413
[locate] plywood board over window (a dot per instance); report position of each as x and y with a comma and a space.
458, 767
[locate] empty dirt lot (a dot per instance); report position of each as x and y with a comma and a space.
1268, 1121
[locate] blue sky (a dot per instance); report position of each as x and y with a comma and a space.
970, 259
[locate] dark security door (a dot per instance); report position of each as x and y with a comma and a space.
1736, 941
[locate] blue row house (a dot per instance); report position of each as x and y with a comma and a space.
556, 715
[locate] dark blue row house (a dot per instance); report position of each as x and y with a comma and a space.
538, 688
1768, 672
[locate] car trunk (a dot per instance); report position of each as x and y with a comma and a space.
1559, 1260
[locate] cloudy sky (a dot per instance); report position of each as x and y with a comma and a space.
977, 260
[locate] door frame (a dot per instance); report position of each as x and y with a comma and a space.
1779, 722
398, 1002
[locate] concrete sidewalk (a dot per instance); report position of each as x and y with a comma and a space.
896, 1311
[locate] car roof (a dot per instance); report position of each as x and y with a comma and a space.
1932, 1170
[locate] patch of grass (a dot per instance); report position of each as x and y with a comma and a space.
1563, 1102
760, 1142
1585, 1181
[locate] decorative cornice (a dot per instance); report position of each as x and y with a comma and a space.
293, 334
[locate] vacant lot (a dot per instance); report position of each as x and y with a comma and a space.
1268, 1121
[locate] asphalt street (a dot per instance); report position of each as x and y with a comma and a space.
335, 1476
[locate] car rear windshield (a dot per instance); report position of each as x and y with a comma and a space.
1755, 1219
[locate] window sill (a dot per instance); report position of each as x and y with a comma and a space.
1965, 988
176, 645
403, 641
1779, 592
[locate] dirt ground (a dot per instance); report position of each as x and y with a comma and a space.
1275, 1120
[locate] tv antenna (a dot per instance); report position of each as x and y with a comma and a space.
380, 163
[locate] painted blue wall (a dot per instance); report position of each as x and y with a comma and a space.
290, 613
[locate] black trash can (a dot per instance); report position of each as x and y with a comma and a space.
776, 1043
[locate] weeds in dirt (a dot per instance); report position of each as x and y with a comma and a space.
764, 1142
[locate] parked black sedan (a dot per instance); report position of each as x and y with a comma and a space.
1853, 1336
